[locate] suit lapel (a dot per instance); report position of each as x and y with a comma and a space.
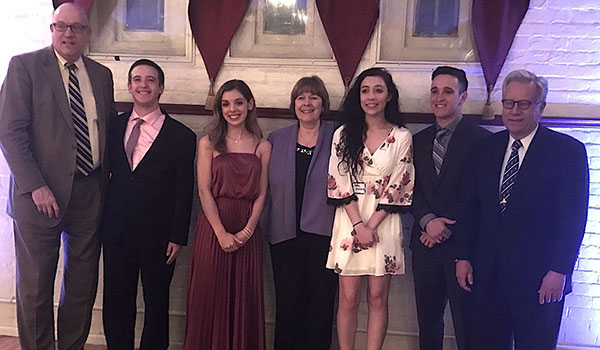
159, 141
495, 162
318, 146
455, 148
57, 85
98, 92
290, 158
532, 164
120, 124
427, 158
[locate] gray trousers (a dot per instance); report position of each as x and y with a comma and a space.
37, 251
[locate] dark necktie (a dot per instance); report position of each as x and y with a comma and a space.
512, 167
132, 141
84, 160
439, 150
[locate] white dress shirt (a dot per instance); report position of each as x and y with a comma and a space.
89, 102
149, 130
525, 141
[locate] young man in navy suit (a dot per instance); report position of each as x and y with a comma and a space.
441, 153
147, 213
524, 217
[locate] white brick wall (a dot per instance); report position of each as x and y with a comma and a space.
25, 27
581, 317
559, 39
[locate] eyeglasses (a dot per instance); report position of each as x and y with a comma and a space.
522, 104
75, 27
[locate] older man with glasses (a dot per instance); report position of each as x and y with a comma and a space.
54, 109
524, 217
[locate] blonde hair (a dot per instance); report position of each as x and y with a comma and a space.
525, 76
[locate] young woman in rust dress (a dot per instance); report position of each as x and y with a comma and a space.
225, 309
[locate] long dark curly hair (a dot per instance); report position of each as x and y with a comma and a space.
355, 128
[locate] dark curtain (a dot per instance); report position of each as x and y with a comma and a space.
213, 24
349, 25
495, 23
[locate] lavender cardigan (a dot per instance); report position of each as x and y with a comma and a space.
280, 207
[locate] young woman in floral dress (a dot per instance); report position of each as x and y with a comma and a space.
371, 178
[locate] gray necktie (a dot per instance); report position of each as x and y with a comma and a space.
132, 141
439, 150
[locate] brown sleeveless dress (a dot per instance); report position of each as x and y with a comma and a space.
225, 308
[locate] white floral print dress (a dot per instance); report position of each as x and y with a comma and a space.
386, 183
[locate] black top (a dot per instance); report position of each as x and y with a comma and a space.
303, 157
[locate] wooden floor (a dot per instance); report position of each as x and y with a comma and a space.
12, 343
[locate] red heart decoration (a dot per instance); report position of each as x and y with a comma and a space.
495, 23
213, 24
349, 25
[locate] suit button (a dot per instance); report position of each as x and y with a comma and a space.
131, 178
70, 173
73, 147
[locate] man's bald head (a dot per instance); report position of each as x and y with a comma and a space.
71, 7
70, 31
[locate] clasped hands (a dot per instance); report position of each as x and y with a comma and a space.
232, 242
365, 236
436, 231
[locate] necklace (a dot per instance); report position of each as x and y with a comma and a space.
308, 151
235, 140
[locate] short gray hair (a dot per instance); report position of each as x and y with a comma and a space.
525, 76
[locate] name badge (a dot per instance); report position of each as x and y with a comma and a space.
359, 187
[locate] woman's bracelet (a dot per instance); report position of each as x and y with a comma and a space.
357, 223
246, 232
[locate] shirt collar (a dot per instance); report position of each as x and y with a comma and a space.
149, 118
62, 61
452, 126
525, 141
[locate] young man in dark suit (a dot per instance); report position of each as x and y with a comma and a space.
55, 106
441, 153
525, 212
147, 213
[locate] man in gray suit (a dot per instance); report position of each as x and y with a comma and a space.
54, 110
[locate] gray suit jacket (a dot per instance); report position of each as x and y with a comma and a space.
280, 208
36, 130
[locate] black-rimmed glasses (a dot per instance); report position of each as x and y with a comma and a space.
75, 27
522, 104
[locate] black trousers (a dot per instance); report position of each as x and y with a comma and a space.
305, 293
122, 267
435, 285
507, 312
